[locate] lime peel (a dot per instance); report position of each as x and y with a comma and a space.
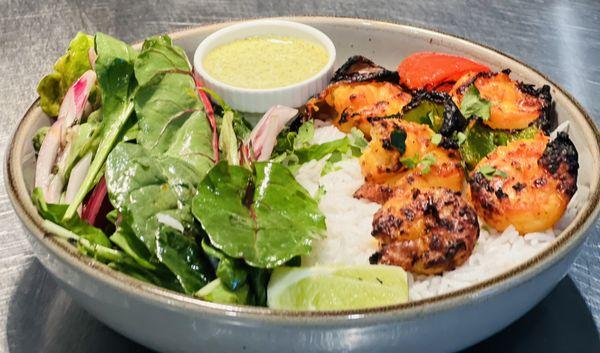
336, 287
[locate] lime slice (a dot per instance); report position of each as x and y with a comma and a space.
336, 287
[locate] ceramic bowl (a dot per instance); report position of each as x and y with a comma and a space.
260, 100
172, 322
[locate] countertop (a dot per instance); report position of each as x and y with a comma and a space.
560, 38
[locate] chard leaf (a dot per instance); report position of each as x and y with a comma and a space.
232, 272
53, 87
124, 238
55, 212
114, 68
153, 194
217, 292
265, 218
473, 104
170, 114
228, 142
159, 56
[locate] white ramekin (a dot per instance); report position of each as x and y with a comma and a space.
260, 100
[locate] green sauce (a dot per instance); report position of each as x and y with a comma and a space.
265, 61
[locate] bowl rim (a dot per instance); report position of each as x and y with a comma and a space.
68, 255
201, 51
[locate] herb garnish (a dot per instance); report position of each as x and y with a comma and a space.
425, 163
489, 172
474, 105
398, 140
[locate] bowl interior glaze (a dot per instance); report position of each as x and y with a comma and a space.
386, 44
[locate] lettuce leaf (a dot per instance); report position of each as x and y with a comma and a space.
53, 87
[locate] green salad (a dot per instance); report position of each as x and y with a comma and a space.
149, 172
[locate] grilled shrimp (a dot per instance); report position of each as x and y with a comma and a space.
527, 183
514, 105
354, 104
425, 231
385, 168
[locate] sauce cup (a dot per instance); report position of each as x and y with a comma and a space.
259, 100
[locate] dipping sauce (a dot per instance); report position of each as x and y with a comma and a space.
265, 61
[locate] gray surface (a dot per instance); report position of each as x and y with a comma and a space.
560, 38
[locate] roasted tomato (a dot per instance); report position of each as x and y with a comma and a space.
350, 105
514, 105
527, 183
419, 164
428, 70
425, 232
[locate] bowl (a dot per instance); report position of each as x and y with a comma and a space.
260, 100
168, 321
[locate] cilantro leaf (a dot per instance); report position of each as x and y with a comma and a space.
489, 172
425, 163
398, 140
474, 105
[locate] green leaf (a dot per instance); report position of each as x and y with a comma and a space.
266, 218
55, 212
153, 194
170, 114
114, 67
67, 70
489, 172
459, 137
158, 57
228, 141
125, 239
358, 140
317, 152
473, 104
84, 139
217, 292
436, 139
39, 137
398, 140
232, 272
306, 132
425, 163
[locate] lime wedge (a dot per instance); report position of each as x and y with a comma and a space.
336, 287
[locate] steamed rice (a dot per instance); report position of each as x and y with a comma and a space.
349, 224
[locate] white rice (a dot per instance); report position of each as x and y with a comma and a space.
349, 224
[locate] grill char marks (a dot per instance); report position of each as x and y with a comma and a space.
425, 232
560, 158
360, 69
